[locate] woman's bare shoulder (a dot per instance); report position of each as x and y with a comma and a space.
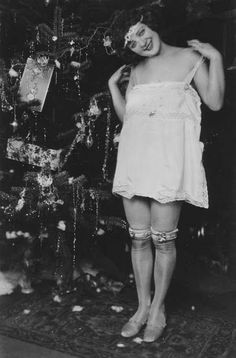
188, 55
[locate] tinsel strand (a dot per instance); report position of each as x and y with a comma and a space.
96, 212
107, 142
78, 138
58, 251
75, 209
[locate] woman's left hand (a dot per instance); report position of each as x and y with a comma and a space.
205, 49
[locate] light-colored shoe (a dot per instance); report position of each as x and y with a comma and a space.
133, 326
153, 331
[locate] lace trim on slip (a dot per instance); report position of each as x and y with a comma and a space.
158, 115
165, 196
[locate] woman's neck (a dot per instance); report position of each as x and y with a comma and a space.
165, 51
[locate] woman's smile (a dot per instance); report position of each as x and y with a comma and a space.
148, 45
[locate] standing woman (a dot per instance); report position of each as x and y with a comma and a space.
159, 164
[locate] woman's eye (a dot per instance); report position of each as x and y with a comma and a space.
141, 32
132, 45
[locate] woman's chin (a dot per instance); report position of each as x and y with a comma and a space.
150, 54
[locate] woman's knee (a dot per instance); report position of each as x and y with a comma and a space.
164, 241
140, 238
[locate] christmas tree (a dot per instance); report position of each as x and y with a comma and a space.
60, 142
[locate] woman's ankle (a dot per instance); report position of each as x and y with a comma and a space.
144, 306
142, 311
156, 312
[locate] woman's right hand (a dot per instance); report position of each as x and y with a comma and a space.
117, 76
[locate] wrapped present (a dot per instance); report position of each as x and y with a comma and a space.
32, 154
35, 82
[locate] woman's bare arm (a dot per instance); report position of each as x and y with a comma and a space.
210, 80
117, 97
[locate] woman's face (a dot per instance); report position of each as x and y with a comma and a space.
144, 41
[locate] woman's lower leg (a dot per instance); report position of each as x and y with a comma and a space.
164, 221
137, 212
165, 260
142, 262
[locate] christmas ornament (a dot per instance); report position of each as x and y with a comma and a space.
21, 201
107, 43
89, 140
35, 81
14, 124
61, 225
44, 179
94, 111
58, 64
13, 73
42, 60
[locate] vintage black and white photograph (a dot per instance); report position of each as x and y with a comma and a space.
117, 179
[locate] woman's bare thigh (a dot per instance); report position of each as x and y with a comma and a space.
165, 217
137, 211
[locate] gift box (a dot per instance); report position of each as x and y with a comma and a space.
32, 154
35, 82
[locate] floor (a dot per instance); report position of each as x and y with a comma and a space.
12, 348
214, 295
222, 305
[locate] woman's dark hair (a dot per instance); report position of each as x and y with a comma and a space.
152, 16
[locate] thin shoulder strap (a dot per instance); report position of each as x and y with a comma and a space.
133, 75
132, 81
188, 79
